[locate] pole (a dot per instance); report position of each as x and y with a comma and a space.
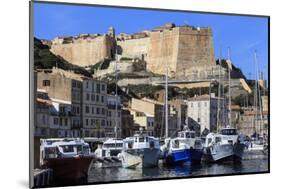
166, 103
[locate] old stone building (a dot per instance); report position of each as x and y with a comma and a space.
113, 125
178, 47
80, 105
203, 113
66, 87
94, 107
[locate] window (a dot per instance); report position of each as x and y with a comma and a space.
205, 104
102, 99
74, 84
87, 84
87, 96
198, 119
98, 88
87, 121
93, 87
56, 121
65, 122
46, 83
102, 111
93, 97
97, 98
103, 122
67, 148
78, 110
92, 121
61, 121
61, 109
103, 87
199, 104
93, 110
87, 109
98, 110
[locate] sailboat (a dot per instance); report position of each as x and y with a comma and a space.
225, 145
174, 150
259, 143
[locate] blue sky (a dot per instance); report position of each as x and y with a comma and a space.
243, 34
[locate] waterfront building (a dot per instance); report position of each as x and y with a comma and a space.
144, 120
53, 117
42, 114
90, 110
202, 113
180, 108
63, 86
113, 117
128, 127
152, 108
94, 107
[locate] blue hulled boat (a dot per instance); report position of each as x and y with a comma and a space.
194, 146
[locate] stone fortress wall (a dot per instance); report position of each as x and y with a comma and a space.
182, 48
84, 50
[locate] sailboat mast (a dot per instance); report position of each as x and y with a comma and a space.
218, 99
166, 103
116, 97
258, 95
229, 87
256, 92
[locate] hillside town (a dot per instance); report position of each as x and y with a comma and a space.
74, 105
150, 99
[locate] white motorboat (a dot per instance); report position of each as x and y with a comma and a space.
223, 146
140, 150
111, 147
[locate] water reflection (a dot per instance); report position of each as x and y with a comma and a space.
249, 164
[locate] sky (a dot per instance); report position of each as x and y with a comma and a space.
242, 34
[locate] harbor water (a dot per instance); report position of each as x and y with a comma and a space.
253, 161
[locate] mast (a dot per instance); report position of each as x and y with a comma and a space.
218, 99
166, 103
116, 97
258, 96
229, 87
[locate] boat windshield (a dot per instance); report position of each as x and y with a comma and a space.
113, 145
51, 152
190, 135
67, 148
229, 132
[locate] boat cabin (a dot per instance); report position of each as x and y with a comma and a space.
62, 148
141, 140
112, 147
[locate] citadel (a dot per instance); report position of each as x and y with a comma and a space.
184, 49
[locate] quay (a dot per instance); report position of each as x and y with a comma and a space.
43, 177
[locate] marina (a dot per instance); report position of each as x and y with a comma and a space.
253, 162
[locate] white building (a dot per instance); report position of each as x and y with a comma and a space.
113, 117
94, 107
202, 113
